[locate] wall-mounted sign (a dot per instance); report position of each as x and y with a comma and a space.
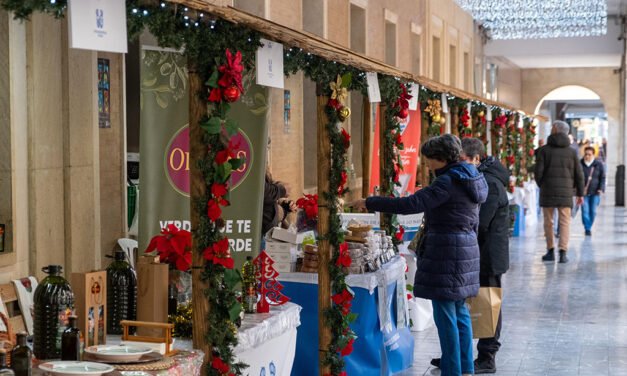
98, 25
269, 64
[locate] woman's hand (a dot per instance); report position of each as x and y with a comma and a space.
288, 204
358, 205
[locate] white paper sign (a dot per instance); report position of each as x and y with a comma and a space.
374, 94
414, 91
444, 103
270, 64
98, 25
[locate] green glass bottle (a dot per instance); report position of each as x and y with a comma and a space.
249, 290
71, 341
21, 356
4, 370
121, 293
53, 303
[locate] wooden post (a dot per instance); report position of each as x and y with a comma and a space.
424, 135
324, 248
198, 151
366, 148
385, 184
455, 120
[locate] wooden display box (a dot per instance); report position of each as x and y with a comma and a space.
90, 302
152, 294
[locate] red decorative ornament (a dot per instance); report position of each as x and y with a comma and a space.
231, 93
346, 138
269, 287
231, 71
403, 113
343, 181
399, 235
334, 103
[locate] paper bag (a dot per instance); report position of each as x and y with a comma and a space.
484, 311
152, 294
90, 302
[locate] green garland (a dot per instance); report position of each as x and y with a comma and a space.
529, 148
22, 9
479, 121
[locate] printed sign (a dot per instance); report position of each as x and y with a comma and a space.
374, 94
414, 91
98, 25
270, 64
104, 94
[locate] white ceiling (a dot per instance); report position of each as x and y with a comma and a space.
602, 51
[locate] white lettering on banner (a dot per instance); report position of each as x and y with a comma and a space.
237, 227
180, 224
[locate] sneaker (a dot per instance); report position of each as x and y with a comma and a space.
435, 362
549, 255
563, 257
588, 233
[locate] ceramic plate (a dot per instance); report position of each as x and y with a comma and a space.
67, 368
118, 353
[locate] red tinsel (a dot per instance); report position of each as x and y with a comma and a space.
174, 246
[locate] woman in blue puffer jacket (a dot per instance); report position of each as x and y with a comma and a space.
448, 263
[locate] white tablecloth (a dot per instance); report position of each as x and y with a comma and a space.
267, 341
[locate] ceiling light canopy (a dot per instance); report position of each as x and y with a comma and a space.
532, 19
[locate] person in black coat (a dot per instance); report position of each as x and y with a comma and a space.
558, 173
448, 261
594, 177
493, 238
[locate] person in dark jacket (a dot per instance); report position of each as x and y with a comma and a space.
493, 238
448, 261
558, 172
594, 177
276, 205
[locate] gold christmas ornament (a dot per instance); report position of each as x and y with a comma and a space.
481, 114
343, 113
436, 118
433, 107
443, 120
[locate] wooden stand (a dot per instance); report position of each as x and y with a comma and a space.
167, 330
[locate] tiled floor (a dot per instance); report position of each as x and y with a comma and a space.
560, 319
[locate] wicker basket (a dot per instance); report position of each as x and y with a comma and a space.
7, 338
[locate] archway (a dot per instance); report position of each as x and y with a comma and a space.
584, 110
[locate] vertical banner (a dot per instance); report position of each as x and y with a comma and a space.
104, 94
410, 131
164, 155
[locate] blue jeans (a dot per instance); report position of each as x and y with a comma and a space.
589, 210
455, 331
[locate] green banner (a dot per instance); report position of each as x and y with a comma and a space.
164, 155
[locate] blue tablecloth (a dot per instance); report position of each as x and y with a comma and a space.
377, 351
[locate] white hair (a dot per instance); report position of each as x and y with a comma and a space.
561, 127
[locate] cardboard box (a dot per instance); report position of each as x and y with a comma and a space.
284, 267
90, 303
290, 237
281, 257
152, 294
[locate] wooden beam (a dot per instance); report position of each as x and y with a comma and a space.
366, 148
198, 151
325, 48
324, 248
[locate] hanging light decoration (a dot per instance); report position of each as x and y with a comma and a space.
532, 19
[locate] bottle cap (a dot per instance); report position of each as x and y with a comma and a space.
248, 258
52, 269
119, 255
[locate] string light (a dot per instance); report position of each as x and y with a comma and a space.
531, 19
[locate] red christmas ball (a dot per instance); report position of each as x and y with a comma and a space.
403, 113
231, 93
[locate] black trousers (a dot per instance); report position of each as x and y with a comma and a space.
487, 347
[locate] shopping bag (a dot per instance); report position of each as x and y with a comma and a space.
484, 311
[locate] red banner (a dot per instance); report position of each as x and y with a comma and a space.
410, 129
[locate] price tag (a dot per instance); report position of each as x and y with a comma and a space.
374, 94
269, 64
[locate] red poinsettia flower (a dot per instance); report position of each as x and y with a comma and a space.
213, 210
219, 365
219, 254
218, 190
348, 349
343, 181
403, 99
173, 246
232, 71
309, 203
215, 95
344, 259
400, 233
344, 296
346, 138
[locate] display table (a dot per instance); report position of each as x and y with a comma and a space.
267, 341
384, 345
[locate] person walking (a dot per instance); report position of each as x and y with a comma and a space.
448, 257
557, 173
594, 177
